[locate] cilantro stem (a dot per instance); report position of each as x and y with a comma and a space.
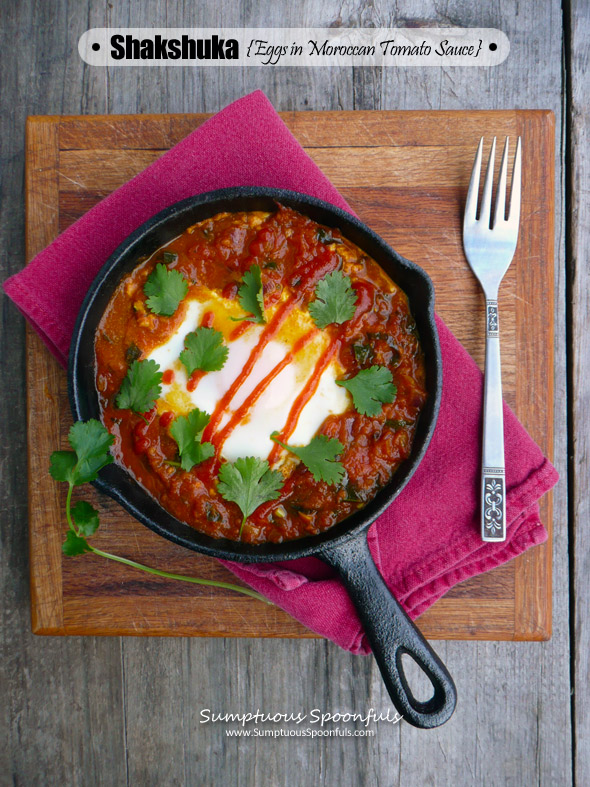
241, 528
247, 318
168, 575
68, 507
156, 571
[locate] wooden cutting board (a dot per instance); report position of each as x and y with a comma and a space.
406, 176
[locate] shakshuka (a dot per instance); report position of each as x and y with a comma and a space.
262, 376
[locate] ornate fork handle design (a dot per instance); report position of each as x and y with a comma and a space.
493, 487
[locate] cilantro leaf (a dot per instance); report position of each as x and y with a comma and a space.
165, 289
250, 295
91, 442
62, 464
319, 457
187, 431
86, 518
249, 482
75, 544
370, 389
204, 350
335, 300
141, 387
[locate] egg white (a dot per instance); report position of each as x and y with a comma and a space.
251, 437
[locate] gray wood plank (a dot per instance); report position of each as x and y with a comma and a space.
579, 120
516, 692
108, 711
62, 709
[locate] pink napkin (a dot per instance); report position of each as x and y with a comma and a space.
428, 540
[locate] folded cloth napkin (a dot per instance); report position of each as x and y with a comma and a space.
428, 540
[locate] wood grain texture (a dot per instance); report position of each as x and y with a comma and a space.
81, 710
379, 165
42, 194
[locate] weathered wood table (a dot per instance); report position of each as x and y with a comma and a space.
116, 710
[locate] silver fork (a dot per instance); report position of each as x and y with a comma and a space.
489, 248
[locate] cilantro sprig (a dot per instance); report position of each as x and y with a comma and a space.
335, 300
370, 389
141, 387
249, 482
319, 456
188, 431
91, 442
165, 289
204, 350
251, 297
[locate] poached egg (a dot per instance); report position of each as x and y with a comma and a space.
270, 411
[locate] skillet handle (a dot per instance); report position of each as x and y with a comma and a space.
391, 634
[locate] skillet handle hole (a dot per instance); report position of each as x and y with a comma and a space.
418, 684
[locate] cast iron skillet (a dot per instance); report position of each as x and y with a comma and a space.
388, 628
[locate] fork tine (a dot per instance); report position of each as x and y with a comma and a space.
500, 209
514, 211
471, 203
486, 200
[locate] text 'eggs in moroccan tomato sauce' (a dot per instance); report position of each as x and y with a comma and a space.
312, 340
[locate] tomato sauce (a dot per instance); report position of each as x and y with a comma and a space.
294, 253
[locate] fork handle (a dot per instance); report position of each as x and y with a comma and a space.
493, 486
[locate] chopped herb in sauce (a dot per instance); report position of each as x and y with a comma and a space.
363, 353
212, 514
326, 237
397, 423
132, 353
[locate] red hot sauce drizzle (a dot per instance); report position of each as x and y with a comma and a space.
220, 437
293, 253
268, 333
